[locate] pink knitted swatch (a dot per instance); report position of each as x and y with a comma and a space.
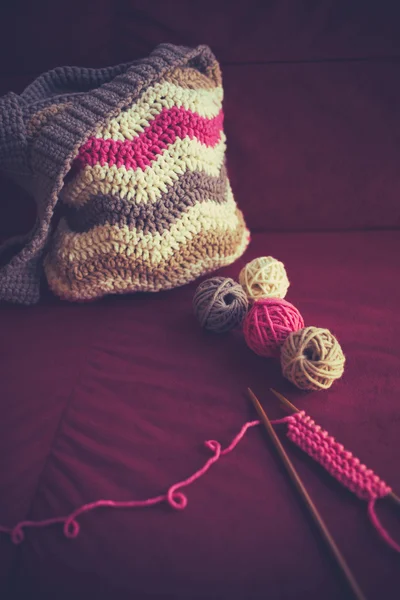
340, 463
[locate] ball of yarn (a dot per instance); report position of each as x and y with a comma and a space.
312, 358
220, 304
264, 277
268, 323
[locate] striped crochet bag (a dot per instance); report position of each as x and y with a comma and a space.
127, 167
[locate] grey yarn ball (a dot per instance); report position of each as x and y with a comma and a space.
220, 304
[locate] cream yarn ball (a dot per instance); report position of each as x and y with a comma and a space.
264, 277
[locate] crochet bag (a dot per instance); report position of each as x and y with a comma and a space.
133, 159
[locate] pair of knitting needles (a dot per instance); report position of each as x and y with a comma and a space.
323, 530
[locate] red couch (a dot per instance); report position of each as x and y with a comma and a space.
115, 399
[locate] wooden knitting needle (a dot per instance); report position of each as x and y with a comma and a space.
393, 497
348, 575
284, 401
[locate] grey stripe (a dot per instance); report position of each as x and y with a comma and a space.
189, 190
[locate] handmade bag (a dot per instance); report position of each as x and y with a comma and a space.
133, 158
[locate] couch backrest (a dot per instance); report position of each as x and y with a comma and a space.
311, 95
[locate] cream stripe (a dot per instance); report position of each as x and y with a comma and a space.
80, 290
146, 186
131, 123
74, 247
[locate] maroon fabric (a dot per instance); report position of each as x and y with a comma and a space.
315, 146
115, 399
256, 30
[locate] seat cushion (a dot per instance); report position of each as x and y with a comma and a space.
115, 399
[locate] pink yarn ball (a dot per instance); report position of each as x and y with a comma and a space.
268, 324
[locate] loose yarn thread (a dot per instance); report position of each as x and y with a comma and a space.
220, 304
312, 358
264, 277
268, 323
175, 498
302, 431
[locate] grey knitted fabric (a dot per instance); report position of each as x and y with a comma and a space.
89, 97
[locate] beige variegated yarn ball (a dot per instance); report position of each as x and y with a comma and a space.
312, 358
264, 277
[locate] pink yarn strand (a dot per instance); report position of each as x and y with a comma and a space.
302, 431
379, 527
174, 497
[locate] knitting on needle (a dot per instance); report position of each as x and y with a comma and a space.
393, 497
331, 544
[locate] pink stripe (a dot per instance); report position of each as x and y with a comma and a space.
140, 152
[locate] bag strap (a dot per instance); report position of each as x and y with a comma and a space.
12, 134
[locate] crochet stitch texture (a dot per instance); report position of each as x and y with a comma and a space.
134, 158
